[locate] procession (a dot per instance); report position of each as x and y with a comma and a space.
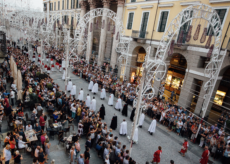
114, 82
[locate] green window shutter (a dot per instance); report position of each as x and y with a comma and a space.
67, 6
77, 5
144, 24
58, 5
221, 13
54, 5
163, 21
63, 4
133, 0
130, 21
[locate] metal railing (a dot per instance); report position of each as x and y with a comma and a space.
139, 34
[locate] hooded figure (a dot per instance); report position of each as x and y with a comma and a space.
141, 120
125, 110
73, 90
102, 111
152, 127
88, 100
113, 124
90, 85
80, 95
132, 114
123, 128
111, 100
95, 88
69, 86
103, 93
93, 104
118, 105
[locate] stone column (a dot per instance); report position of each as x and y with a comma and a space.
92, 4
83, 11
120, 8
102, 44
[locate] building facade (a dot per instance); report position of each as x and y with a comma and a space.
145, 23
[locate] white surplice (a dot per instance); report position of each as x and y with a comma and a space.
63, 76
110, 100
69, 86
141, 120
90, 85
81, 95
73, 90
93, 105
118, 104
123, 128
88, 100
95, 88
103, 93
152, 127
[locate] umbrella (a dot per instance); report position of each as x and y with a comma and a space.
19, 85
11, 63
15, 73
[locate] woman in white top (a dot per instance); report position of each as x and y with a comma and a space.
21, 144
72, 155
73, 109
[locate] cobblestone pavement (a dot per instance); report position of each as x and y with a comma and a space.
147, 144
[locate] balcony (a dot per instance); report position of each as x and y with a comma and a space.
139, 36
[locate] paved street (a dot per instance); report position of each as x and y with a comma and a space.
141, 152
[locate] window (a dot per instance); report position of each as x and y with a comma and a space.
133, 1
77, 4
63, 4
185, 27
130, 21
58, 5
67, 6
221, 13
72, 4
163, 21
144, 23
54, 5
50, 6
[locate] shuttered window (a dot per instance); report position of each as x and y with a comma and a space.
54, 5
144, 24
58, 5
63, 4
67, 5
221, 13
133, 0
163, 21
130, 21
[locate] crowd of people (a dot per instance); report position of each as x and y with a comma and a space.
42, 95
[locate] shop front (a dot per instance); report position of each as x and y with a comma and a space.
174, 82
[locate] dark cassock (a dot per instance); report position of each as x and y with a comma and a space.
113, 124
102, 111
132, 114
125, 110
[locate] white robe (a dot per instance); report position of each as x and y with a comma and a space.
118, 104
80, 95
90, 85
88, 100
103, 93
73, 90
123, 128
93, 105
141, 120
110, 100
69, 86
95, 88
63, 76
135, 136
152, 127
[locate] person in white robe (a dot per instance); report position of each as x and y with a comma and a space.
141, 120
118, 105
69, 86
93, 104
81, 95
90, 87
95, 88
152, 127
111, 100
63, 76
123, 128
21, 144
73, 90
88, 100
103, 94
135, 136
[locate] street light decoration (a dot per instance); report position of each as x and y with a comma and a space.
196, 35
189, 35
203, 37
207, 45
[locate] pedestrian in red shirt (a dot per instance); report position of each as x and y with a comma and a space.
157, 155
184, 148
205, 156
42, 121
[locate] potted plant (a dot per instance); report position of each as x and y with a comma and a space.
49, 86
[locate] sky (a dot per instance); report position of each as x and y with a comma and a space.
35, 5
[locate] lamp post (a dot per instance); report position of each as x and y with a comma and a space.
67, 59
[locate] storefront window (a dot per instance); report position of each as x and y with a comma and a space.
219, 98
175, 82
168, 79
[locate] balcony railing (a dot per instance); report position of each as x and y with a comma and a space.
139, 34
